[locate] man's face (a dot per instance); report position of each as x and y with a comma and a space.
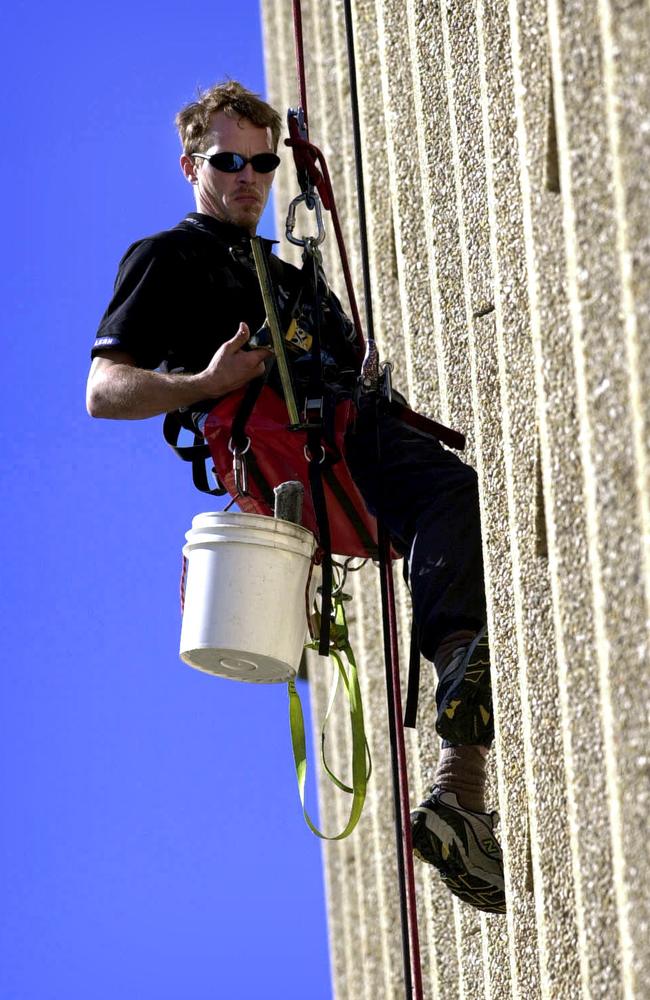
236, 198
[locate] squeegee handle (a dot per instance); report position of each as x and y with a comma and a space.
266, 288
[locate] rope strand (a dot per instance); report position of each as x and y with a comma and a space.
300, 58
306, 156
358, 160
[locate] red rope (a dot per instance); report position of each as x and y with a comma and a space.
308, 158
391, 649
300, 57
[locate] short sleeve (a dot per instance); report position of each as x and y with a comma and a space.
141, 315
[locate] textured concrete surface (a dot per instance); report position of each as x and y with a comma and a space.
506, 149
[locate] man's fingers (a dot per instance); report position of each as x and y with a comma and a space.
232, 367
236, 343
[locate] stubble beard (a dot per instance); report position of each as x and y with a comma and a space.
245, 216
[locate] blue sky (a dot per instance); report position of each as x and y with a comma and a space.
152, 842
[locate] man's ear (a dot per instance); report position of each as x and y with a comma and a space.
189, 168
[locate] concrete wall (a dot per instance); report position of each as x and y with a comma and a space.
507, 151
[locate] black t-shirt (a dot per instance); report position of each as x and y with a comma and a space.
183, 292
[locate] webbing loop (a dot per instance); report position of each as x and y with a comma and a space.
340, 648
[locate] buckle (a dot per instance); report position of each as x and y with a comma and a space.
313, 411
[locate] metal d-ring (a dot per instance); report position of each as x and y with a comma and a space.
308, 454
234, 450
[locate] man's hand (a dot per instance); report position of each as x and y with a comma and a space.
231, 367
118, 389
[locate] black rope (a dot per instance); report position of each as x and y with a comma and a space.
363, 232
315, 434
384, 570
408, 910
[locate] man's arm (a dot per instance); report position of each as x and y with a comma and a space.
117, 389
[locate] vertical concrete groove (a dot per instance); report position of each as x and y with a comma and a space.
598, 594
594, 500
567, 744
628, 304
507, 432
404, 179
415, 16
473, 303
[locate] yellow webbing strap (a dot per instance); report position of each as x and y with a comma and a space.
361, 764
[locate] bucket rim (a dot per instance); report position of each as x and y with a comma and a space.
263, 522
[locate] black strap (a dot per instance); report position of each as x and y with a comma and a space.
252, 392
413, 686
316, 453
245, 408
320, 510
344, 501
452, 438
196, 453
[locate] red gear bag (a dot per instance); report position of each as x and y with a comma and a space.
277, 454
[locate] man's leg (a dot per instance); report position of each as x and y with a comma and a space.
429, 501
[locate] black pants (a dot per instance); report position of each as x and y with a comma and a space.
429, 501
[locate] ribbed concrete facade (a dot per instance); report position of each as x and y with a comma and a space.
507, 152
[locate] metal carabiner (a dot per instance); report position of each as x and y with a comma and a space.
239, 467
313, 203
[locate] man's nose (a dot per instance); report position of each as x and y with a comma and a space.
247, 174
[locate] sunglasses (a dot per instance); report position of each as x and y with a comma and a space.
232, 163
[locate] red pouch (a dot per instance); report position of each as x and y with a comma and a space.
277, 455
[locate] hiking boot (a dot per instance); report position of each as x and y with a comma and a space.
462, 846
464, 695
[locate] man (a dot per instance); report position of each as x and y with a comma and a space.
175, 335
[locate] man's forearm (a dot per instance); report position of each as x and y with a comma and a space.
118, 389
124, 392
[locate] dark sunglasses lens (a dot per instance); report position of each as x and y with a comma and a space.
264, 163
232, 163
228, 163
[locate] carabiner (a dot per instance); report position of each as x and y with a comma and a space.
239, 467
313, 203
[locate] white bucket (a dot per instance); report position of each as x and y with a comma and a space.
244, 615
